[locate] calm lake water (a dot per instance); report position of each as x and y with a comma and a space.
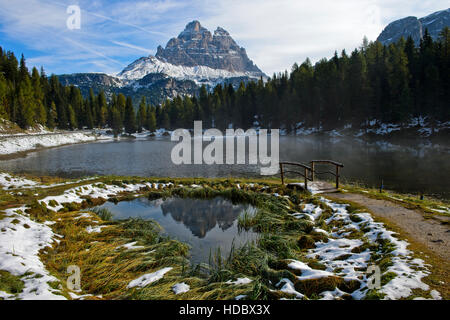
414, 166
204, 224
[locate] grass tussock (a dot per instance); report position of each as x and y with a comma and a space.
107, 267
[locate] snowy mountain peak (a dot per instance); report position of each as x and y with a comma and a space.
195, 46
198, 56
220, 32
194, 58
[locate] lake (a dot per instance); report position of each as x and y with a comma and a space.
413, 166
205, 224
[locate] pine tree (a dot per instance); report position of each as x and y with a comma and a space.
102, 109
51, 116
116, 121
3, 98
129, 119
72, 118
151, 120
141, 115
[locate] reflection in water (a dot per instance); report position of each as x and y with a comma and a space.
204, 224
202, 216
406, 166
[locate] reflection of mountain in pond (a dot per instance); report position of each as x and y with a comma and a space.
201, 216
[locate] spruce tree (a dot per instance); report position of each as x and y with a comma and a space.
141, 115
129, 118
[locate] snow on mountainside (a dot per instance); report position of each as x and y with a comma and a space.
194, 58
198, 56
199, 74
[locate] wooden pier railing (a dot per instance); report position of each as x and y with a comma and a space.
309, 172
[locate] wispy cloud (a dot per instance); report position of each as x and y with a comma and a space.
130, 46
276, 33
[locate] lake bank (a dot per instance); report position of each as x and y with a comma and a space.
408, 167
297, 229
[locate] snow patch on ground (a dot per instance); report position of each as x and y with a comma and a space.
148, 278
94, 191
307, 272
180, 288
21, 239
336, 254
9, 181
239, 281
22, 143
131, 246
289, 288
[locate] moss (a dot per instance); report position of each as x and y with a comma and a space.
388, 276
374, 294
355, 218
306, 242
317, 286
10, 283
53, 203
342, 257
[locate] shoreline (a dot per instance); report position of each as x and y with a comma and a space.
15, 146
62, 212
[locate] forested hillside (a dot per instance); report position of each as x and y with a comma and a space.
33, 98
389, 83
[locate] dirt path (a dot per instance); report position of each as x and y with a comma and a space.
429, 232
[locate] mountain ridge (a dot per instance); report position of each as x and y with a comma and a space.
415, 27
192, 59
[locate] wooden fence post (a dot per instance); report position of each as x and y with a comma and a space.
337, 177
306, 179
281, 171
312, 170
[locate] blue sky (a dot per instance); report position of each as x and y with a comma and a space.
275, 33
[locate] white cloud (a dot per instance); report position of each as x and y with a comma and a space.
276, 33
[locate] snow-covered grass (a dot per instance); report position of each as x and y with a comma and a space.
21, 240
148, 278
8, 181
338, 253
345, 243
96, 190
180, 288
131, 246
239, 281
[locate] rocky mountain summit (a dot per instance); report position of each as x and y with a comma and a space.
194, 58
415, 27
195, 46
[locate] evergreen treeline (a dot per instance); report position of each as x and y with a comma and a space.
388, 83
30, 98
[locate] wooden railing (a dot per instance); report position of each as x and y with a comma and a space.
337, 165
305, 174
309, 172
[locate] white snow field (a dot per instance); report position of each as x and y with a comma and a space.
20, 143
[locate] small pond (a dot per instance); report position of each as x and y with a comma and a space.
205, 224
